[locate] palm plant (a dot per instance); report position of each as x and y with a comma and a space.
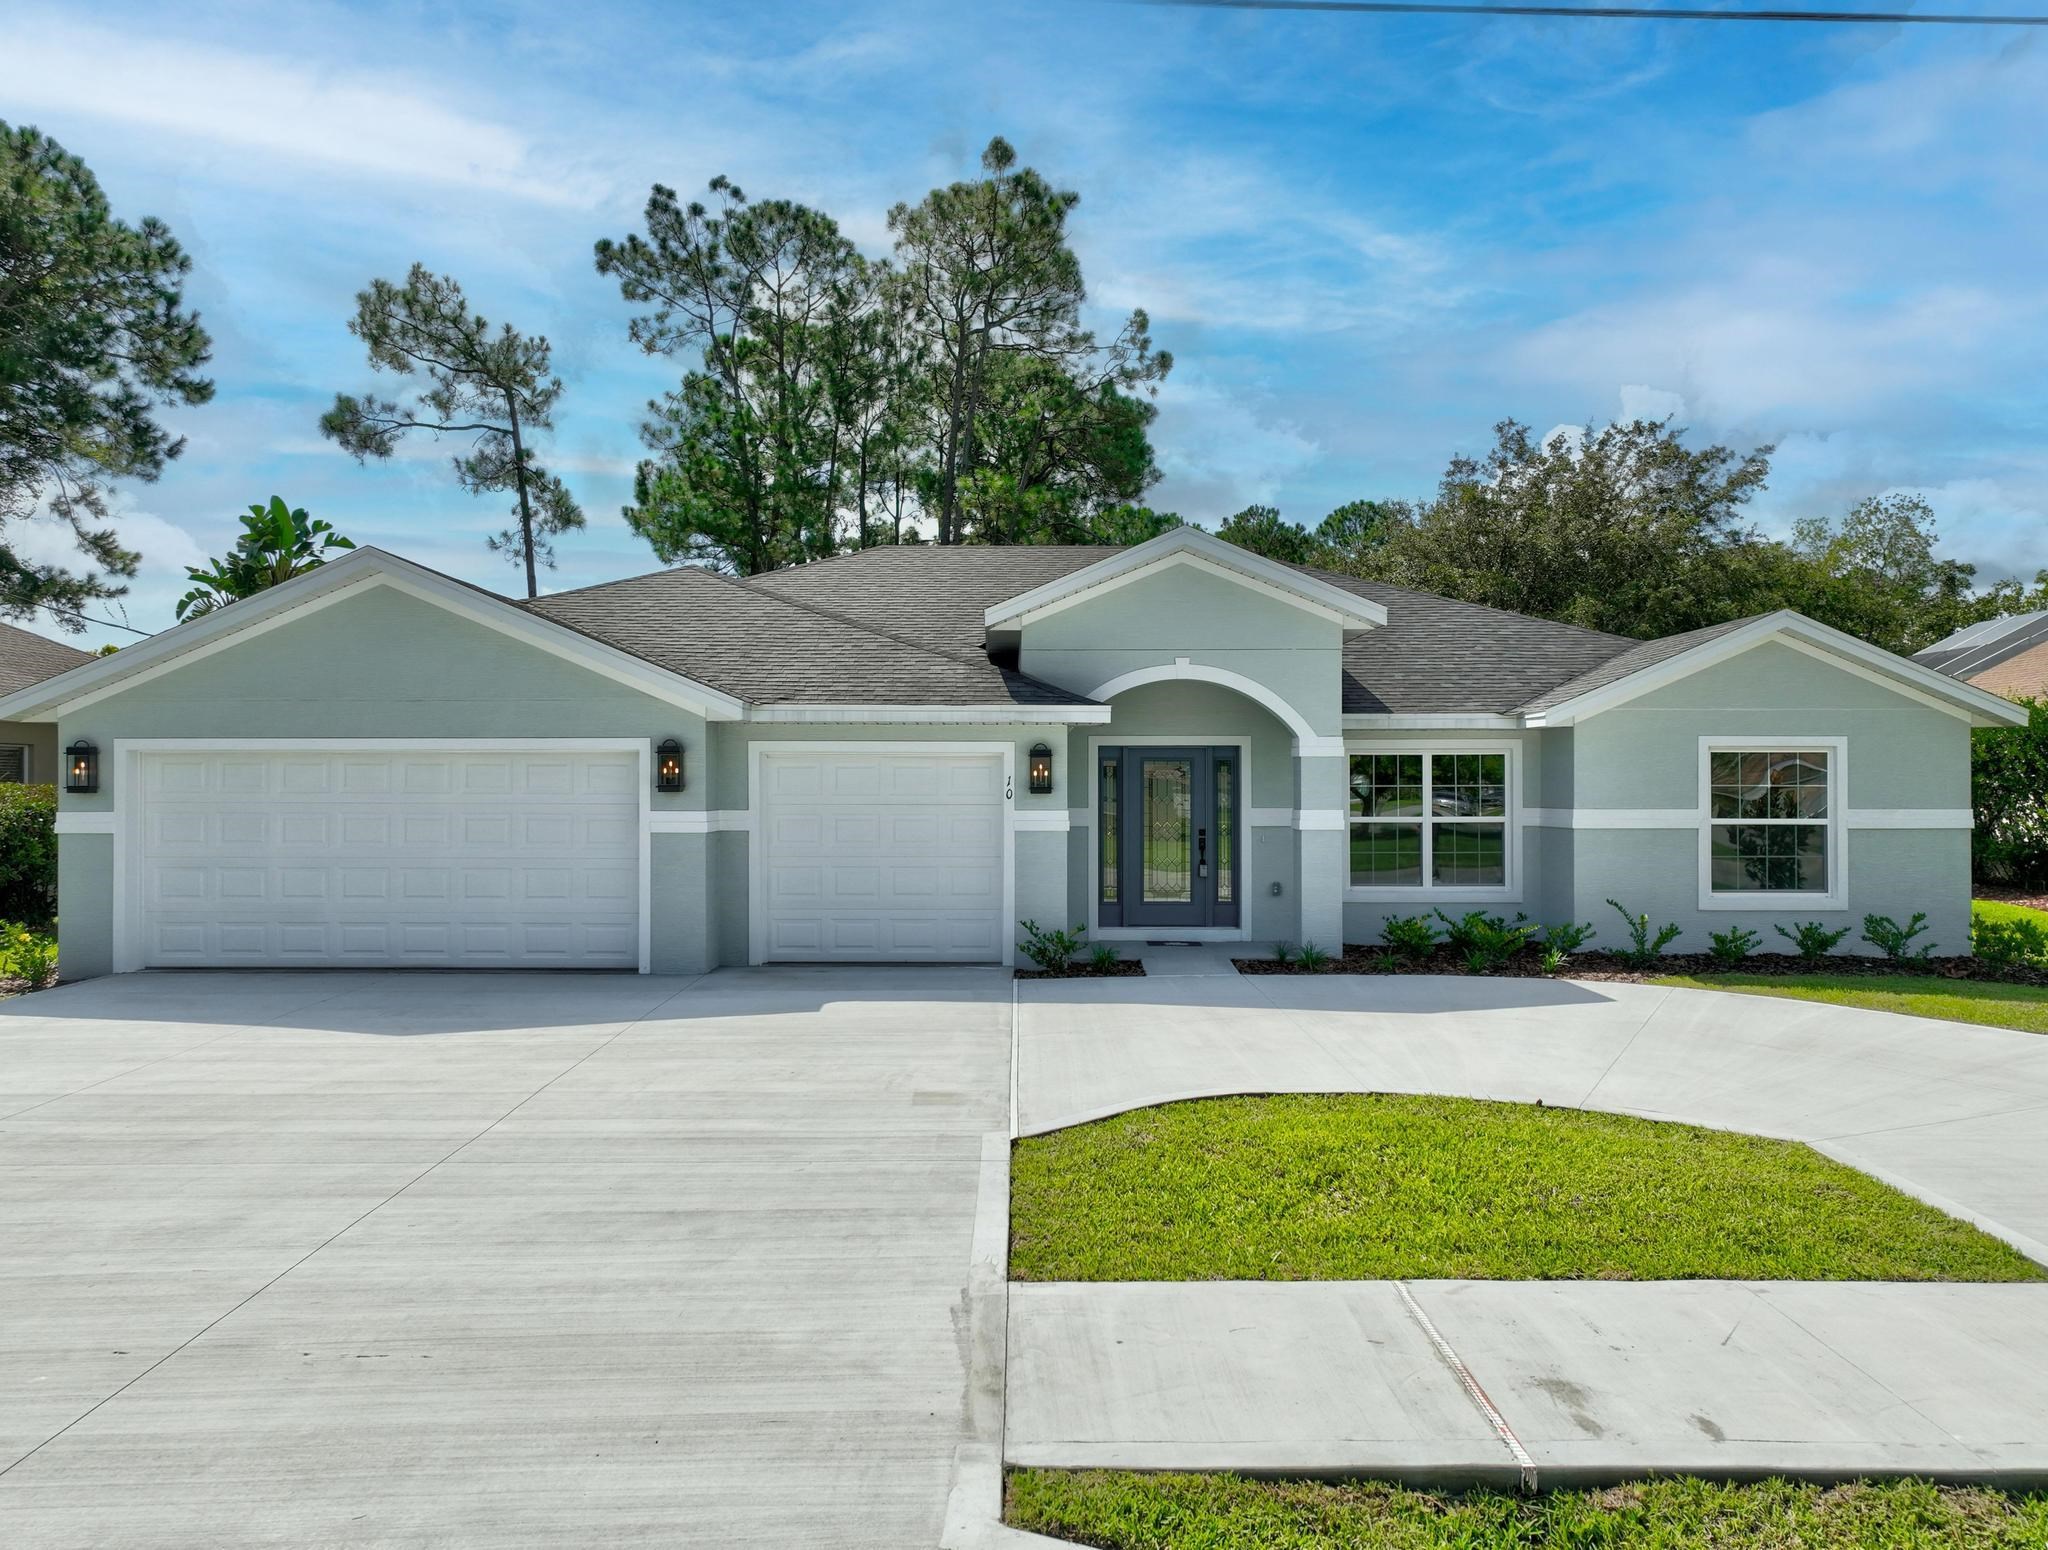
278, 542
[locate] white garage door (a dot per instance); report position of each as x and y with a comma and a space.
882, 857
362, 857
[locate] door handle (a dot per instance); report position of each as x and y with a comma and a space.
1201, 852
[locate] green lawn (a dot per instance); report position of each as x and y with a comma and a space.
1992, 909
1370, 1187
1224, 1512
1988, 1002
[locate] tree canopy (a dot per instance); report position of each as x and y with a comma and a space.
94, 334
837, 401
277, 543
496, 388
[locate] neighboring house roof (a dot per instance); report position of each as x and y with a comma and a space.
772, 650
28, 658
1977, 648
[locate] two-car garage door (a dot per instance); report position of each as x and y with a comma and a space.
873, 856
453, 857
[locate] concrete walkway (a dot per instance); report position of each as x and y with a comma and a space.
1590, 1380
492, 1260
1596, 1381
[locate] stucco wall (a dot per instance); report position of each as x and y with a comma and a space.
1900, 755
40, 738
377, 663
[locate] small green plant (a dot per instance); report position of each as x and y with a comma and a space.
1812, 940
1385, 962
1312, 958
1729, 948
1050, 950
1412, 936
27, 956
1283, 952
2006, 944
1105, 957
1487, 942
1896, 941
1644, 949
1567, 937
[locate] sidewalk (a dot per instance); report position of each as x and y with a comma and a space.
1595, 1381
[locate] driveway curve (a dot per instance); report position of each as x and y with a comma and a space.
1952, 1113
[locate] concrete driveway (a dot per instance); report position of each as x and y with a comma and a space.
305, 1259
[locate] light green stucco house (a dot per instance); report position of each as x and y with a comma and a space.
899, 754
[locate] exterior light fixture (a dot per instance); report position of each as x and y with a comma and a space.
668, 766
82, 767
1041, 770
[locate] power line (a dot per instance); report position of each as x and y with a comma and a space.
112, 624
1628, 12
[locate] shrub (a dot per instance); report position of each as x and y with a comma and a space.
2006, 943
1568, 938
1644, 950
1050, 949
2009, 793
28, 853
1487, 942
1105, 956
1283, 952
1812, 940
1729, 948
27, 956
1312, 957
1895, 941
1412, 936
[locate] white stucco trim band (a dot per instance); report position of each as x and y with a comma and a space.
933, 715
1429, 721
713, 821
85, 823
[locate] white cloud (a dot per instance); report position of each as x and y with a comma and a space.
1220, 452
270, 108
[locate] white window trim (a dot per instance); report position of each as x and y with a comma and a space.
1427, 892
1097, 932
1837, 895
125, 815
1002, 750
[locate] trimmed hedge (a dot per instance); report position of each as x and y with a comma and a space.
2009, 790
28, 853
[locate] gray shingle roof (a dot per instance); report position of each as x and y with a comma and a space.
750, 642
1639, 655
28, 658
1433, 655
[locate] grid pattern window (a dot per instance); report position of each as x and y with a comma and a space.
1429, 820
13, 764
1768, 819
1106, 830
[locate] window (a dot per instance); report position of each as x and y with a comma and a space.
13, 764
1430, 821
1770, 815
1106, 831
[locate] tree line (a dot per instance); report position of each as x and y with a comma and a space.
946, 393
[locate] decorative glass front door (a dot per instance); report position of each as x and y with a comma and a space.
1167, 852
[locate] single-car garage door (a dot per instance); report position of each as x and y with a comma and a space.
881, 857
431, 857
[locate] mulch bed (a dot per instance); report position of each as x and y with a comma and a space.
1360, 959
1086, 971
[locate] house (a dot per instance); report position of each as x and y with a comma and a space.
2008, 656
28, 749
899, 753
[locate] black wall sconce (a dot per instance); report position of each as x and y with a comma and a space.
668, 765
82, 767
1041, 770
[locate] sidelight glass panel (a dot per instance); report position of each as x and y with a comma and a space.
1108, 829
1226, 824
1167, 823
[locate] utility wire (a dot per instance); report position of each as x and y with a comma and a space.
1631, 12
112, 624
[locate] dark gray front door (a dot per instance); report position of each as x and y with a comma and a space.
1169, 837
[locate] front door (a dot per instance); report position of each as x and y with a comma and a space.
1168, 837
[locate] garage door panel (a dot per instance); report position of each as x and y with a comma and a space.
881, 856
425, 858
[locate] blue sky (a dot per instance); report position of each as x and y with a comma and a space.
1365, 239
